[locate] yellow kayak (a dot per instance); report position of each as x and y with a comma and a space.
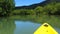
45, 29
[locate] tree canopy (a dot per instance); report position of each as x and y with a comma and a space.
6, 7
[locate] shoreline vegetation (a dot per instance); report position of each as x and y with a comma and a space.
8, 9
49, 13
50, 9
40, 14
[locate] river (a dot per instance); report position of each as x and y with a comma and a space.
27, 24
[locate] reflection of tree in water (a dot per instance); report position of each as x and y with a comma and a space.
7, 26
52, 20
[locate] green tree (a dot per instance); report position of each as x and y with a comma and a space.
51, 9
7, 7
39, 10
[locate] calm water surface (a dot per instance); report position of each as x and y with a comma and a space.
27, 25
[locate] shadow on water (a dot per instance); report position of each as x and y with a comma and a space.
7, 26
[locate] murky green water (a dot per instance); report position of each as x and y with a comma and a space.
27, 24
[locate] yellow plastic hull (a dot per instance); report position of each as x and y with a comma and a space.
45, 29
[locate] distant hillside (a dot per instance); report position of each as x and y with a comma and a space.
35, 5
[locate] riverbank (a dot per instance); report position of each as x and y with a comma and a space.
49, 9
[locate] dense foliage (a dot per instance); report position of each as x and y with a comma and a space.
49, 9
6, 7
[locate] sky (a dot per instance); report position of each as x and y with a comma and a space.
26, 2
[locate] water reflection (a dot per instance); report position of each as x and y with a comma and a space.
57, 29
25, 27
52, 20
27, 24
28, 27
7, 26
